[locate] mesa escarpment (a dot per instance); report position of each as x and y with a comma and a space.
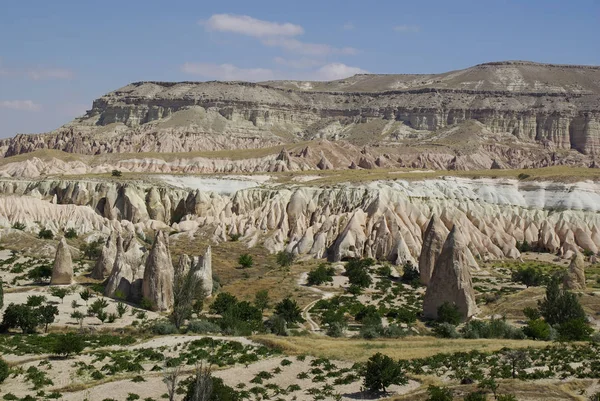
552, 106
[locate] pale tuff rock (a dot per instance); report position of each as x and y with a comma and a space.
127, 270
183, 266
365, 163
62, 271
433, 241
451, 279
203, 271
351, 241
575, 277
157, 286
106, 261
324, 164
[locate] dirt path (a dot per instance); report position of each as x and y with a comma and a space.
314, 327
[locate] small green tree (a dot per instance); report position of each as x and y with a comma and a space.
46, 315
245, 260
285, 258
289, 310
116, 173
19, 226
321, 274
60, 292
78, 316
121, 309
537, 329
449, 313
577, 329
71, 233
436, 393
86, 294
380, 372
68, 344
532, 313
23, 317
187, 290
357, 271
529, 276
261, 300
223, 302
40, 273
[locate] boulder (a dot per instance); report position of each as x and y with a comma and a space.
575, 277
62, 271
451, 279
433, 241
157, 285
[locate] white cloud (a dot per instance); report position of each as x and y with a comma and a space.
49, 73
21, 105
299, 64
249, 26
335, 71
348, 26
407, 28
309, 49
227, 72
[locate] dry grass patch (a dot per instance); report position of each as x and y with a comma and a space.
359, 350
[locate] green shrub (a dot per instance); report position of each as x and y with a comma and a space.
577, 329
245, 260
19, 226
436, 393
92, 250
116, 173
289, 310
71, 233
4, 370
285, 258
410, 274
380, 372
529, 276
321, 274
537, 329
67, 344
357, 271
203, 327
560, 305
45, 233
163, 328
449, 313
475, 396
532, 313
445, 330
261, 300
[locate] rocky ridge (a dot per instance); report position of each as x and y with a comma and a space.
550, 106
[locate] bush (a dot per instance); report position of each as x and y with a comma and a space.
246, 261
523, 176
357, 271
67, 344
439, 394
577, 329
289, 310
4, 370
560, 306
40, 273
495, 328
537, 329
19, 226
410, 274
445, 330
116, 173
532, 313
92, 250
529, 276
223, 302
285, 259
321, 274
203, 327
261, 300
380, 372
71, 233
475, 396
23, 317
449, 313
45, 234
163, 328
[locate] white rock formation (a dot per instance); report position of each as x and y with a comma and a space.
62, 270
575, 277
451, 279
203, 271
433, 241
157, 285
106, 261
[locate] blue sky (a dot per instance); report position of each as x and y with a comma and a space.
57, 56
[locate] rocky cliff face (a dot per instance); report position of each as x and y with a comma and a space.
384, 219
556, 106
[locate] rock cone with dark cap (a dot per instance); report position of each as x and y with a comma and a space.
157, 286
575, 278
433, 240
62, 271
451, 279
